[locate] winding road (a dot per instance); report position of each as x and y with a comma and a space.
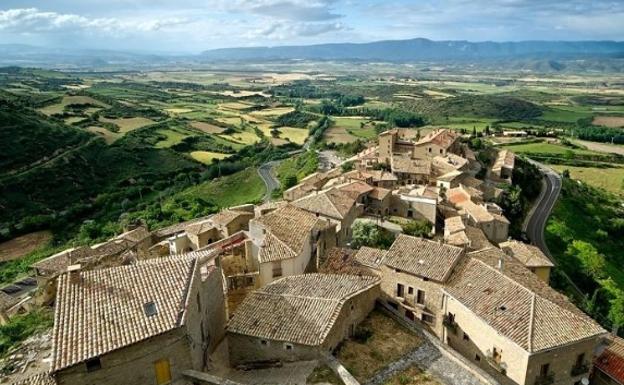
268, 176
536, 221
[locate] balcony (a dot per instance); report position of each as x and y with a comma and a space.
496, 363
545, 379
579, 369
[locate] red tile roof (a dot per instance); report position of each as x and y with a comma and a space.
611, 361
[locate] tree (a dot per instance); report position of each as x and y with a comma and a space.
592, 262
418, 228
371, 235
474, 131
289, 181
566, 173
347, 166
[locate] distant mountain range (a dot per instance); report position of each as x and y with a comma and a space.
425, 50
538, 56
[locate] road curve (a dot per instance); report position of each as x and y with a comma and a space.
536, 222
268, 177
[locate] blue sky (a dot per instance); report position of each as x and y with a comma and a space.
194, 25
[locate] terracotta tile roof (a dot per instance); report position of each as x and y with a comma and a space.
379, 193
273, 249
333, 203
200, 227
517, 304
422, 257
454, 224
370, 257
37, 379
360, 188
104, 310
478, 239
299, 309
504, 159
457, 196
7, 301
176, 228
611, 361
226, 216
405, 164
450, 176
443, 138
59, 262
528, 255
136, 235
382, 176
340, 260
459, 239
291, 225
470, 181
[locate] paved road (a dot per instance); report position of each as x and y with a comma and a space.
268, 176
536, 222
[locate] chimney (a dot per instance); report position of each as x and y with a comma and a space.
74, 274
501, 263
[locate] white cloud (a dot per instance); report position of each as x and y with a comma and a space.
32, 21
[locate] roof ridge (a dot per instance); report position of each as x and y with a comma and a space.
282, 242
531, 322
187, 295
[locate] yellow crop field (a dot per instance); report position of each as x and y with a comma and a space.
207, 157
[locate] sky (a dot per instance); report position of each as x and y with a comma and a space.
191, 26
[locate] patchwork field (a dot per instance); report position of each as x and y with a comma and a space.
207, 127
546, 148
128, 124
109, 136
609, 121
293, 134
68, 100
173, 137
207, 157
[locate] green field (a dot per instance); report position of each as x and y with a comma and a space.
546, 148
207, 157
610, 179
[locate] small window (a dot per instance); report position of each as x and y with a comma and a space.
425, 279
441, 151
410, 290
544, 369
150, 309
93, 364
466, 337
420, 297
288, 347
477, 357
264, 342
400, 290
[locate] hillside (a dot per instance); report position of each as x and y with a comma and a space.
424, 49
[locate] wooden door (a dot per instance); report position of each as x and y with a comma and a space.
163, 372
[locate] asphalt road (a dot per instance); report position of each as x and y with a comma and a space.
266, 173
536, 223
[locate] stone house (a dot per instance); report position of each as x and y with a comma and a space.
410, 171
311, 183
449, 180
395, 142
413, 273
530, 256
48, 269
441, 165
139, 324
437, 143
486, 216
336, 206
509, 322
503, 166
382, 178
140, 237
219, 226
288, 241
299, 317
420, 202
378, 201
609, 366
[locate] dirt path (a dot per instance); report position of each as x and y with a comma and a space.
602, 147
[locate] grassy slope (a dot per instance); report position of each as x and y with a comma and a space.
578, 214
610, 179
236, 189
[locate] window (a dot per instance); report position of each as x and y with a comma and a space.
429, 149
580, 359
288, 347
277, 269
477, 357
544, 369
410, 290
150, 309
441, 151
400, 290
420, 297
93, 364
466, 337
163, 371
264, 342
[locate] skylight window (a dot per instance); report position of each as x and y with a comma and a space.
150, 309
